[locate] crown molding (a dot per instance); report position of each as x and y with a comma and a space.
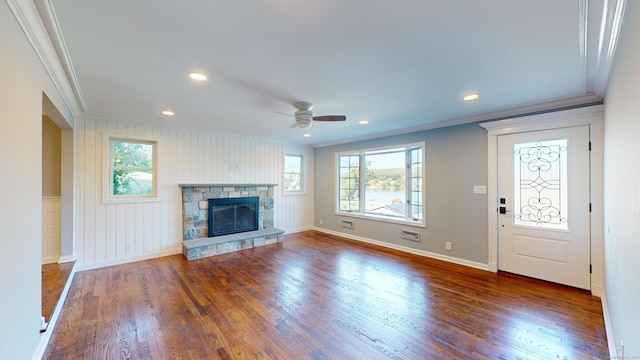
567, 103
28, 17
50, 21
583, 16
558, 119
612, 17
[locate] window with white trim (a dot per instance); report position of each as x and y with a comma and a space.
132, 169
384, 183
293, 173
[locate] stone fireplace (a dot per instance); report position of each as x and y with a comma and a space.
199, 240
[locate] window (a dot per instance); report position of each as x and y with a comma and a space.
131, 169
382, 183
293, 174
349, 182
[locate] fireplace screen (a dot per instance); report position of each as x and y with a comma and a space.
233, 215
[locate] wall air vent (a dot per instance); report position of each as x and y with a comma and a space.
347, 224
410, 235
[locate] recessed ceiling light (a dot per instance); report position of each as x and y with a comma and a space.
307, 135
363, 122
471, 97
195, 76
168, 113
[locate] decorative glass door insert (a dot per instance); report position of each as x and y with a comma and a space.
540, 184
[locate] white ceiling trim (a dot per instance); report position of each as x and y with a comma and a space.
178, 127
611, 25
589, 99
583, 16
29, 20
559, 119
52, 26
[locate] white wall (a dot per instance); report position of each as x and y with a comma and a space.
622, 188
51, 158
103, 231
23, 81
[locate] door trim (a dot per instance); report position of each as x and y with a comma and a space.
593, 116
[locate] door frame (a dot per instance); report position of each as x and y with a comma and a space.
593, 116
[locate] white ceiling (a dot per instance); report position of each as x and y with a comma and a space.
402, 65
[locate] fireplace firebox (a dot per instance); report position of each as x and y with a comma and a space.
233, 215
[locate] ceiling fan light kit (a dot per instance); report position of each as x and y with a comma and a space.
304, 119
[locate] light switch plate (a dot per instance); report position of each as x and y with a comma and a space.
479, 189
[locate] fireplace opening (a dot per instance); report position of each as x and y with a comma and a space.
233, 215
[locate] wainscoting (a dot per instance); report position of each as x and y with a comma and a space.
51, 229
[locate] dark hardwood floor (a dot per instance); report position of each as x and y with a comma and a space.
54, 279
317, 296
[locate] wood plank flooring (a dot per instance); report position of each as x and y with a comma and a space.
317, 296
54, 279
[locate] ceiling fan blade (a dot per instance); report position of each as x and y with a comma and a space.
281, 113
330, 118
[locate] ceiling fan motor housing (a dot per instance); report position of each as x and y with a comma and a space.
304, 118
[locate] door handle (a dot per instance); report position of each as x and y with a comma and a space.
503, 209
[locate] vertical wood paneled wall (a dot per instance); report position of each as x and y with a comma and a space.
108, 234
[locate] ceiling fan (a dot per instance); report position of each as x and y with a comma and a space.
304, 116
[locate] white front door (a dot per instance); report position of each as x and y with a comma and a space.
543, 204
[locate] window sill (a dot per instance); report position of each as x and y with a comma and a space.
381, 218
294, 193
130, 200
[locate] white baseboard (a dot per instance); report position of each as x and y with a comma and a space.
607, 326
428, 254
66, 259
493, 267
49, 259
153, 255
298, 230
597, 290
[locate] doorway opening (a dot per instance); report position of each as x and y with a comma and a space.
58, 259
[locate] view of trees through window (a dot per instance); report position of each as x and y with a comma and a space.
349, 183
132, 170
293, 172
382, 182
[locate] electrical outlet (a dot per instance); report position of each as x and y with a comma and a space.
321, 222
128, 248
447, 245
